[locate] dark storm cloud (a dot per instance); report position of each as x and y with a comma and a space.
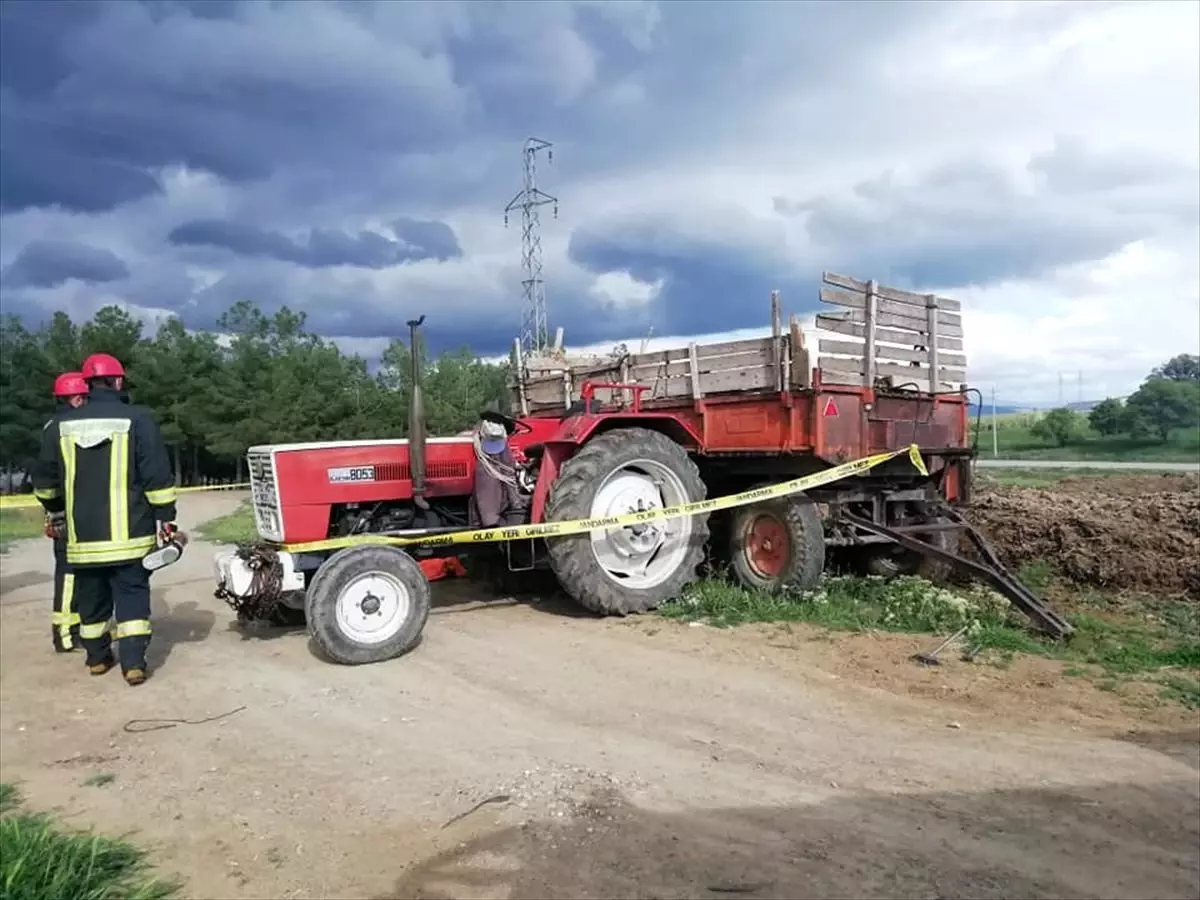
325, 247
241, 90
46, 264
436, 240
707, 287
972, 222
356, 310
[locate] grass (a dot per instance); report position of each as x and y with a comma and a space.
234, 528
99, 779
1015, 440
39, 860
1116, 640
19, 525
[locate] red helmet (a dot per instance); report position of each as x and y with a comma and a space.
69, 384
101, 365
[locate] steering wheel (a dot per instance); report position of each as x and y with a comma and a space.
512, 426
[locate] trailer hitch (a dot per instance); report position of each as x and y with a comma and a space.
990, 570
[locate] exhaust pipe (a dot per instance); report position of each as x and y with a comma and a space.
416, 419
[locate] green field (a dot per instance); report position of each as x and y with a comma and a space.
1015, 440
20, 524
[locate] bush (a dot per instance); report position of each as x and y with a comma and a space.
1059, 426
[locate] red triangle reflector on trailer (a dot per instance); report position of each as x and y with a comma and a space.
831, 410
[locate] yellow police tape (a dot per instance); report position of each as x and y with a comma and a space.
579, 526
28, 501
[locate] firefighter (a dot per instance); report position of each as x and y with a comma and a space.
104, 467
70, 392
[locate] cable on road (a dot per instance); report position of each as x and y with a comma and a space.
138, 726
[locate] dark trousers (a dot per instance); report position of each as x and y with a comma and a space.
64, 619
123, 590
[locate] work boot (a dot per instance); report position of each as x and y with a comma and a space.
134, 677
101, 667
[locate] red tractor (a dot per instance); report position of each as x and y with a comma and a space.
613, 436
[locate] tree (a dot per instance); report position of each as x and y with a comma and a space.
1108, 417
1059, 426
1162, 405
267, 379
1184, 367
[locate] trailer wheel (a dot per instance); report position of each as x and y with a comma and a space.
633, 569
367, 604
778, 544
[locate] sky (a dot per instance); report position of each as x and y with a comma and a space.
1038, 161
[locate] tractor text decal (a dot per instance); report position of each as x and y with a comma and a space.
351, 474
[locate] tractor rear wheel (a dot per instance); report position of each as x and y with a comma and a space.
778, 544
629, 569
367, 604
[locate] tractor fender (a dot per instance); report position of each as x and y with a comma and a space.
575, 431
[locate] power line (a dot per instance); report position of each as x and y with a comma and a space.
535, 336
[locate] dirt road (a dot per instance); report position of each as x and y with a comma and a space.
621, 759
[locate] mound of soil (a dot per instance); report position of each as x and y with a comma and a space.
1136, 532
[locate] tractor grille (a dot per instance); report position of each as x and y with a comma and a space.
265, 495
433, 470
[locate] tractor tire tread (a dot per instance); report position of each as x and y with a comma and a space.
572, 558
806, 532
320, 603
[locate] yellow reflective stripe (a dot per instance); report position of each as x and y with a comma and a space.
47, 493
90, 632
67, 616
161, 497
133, 628
67, 448
118, 488
95, 552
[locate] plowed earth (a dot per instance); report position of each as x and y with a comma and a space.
1117, 532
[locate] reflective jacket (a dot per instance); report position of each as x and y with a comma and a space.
106, 466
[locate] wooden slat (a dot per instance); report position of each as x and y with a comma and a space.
889, 307
900, 384
904, 373
703, 351
891, 336
887, 320
889, 293
750, 359
882, 351
801, 373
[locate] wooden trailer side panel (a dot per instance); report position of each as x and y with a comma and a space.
669, 376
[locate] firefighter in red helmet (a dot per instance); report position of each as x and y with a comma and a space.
70, 392
105, 467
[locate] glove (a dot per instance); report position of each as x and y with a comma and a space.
169, 531
56, 525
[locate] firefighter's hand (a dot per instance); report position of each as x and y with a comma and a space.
169, 531
56, 525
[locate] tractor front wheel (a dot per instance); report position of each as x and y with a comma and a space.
778, 544
367, 604
634, 568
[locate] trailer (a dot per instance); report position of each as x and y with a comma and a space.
621, 436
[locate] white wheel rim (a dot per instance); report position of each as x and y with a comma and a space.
641, 556
372, 608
